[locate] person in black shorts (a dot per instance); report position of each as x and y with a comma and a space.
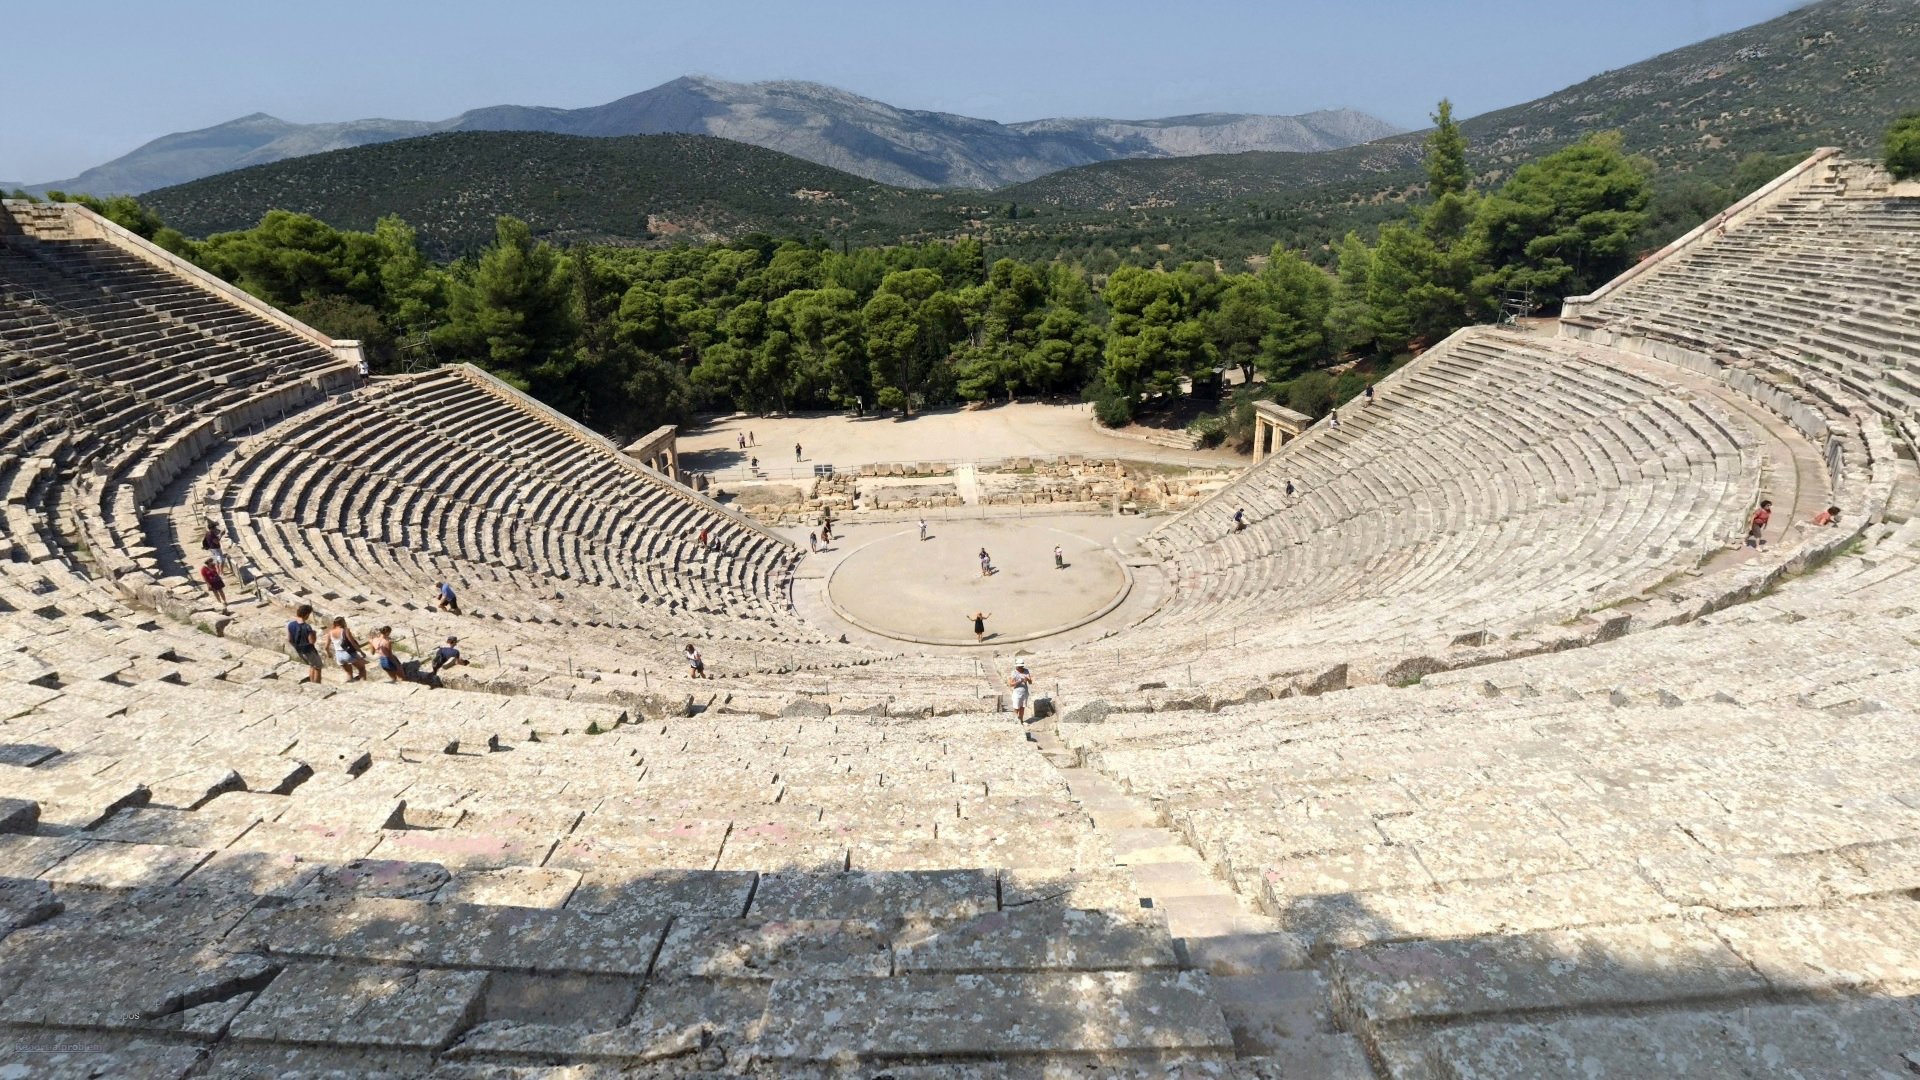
304, 642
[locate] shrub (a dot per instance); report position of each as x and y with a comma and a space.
1903, 147
1311, 393
1111, 407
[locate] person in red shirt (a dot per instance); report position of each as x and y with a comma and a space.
1829, 516
216, 584
1756, 529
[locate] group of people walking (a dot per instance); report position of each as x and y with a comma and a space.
351, 654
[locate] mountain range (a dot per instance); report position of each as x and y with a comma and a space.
822, 124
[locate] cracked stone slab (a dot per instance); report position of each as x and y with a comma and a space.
463, 849
1635, 964
391, 1007
664, 894
913, 894
159, 913
255, 873
911, 1016
313, 840
755, 949
254, 1061
32, 856
105, 865
78, 979
510, 886
176, 828
25, 902
1838, 1038
1875, 943
393, 879
682, 845
1045, 940
675, 1019
45, 1054
464, 935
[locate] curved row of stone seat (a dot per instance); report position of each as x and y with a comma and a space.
363, 504
1713, 810
1499, 482
1826, 280
389, 880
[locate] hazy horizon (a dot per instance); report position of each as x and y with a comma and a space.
147, 77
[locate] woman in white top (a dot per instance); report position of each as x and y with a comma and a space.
1022, 682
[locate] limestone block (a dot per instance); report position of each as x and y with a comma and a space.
756, 949
664, 894
374, 1007
1870, 944
24, 903
1042, 940
77, 979
515, 886
924, 894
992, 1015
106, 865
464, 935
1634, 964
394, 879
26, 1051
179, 828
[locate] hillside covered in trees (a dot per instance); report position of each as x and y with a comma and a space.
1832, 73
572, 189
626, 338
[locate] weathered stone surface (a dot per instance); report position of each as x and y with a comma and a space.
1603, 966
1059, 939
464, 935
515, 886
855, 894
590, 1002
1854, 1038
991, 1015
45, 1054
392, 879
78, 979
364, 1006
18, 815
24, 902
1871, 944
256, 1061
260, 873
1267, 1012
1471, 908
178, 828
664, 894
753, 949
32, 856
675, 1019
466, 849
1092, 712
688, 845
106, 865
1109, 889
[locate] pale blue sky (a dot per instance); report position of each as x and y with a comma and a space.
130, 70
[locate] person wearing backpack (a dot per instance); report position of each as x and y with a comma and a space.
304, 642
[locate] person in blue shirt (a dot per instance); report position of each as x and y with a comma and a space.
448, 602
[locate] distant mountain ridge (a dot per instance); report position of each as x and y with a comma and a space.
1834, 72
811, 121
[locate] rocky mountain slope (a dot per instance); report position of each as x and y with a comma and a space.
821, 124
1832, 73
